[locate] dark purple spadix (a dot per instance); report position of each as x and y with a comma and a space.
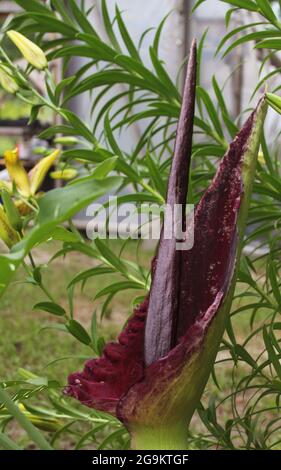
162, 316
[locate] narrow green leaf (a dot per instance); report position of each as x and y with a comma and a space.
104, 168
122, 165
155, 175
126, 36
60, 8
197, 4
236, 31
273, 276
110, 256
23, 421
274, 101
34, 5
163, 75
270, 44
78, 331
108, 26
256, 36
34, 113
79, 126
247, 4
118, 287
272, 356
81, 18
219, 96
205, 97
265, 8
64, 235
50, 307
241, 352
158, 34
100, 50
89, 273
43, 23
60, 129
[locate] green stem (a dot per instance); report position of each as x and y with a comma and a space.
31, 260
75, 231
40, 284
152, 191
46, 292
50, 77
173, 437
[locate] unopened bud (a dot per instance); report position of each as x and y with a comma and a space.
7, 82
30, 51
66, 175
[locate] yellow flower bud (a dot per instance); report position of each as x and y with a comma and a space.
17, 172
66, 140
30, 51
45, 423
7, 82
39, 172
67, 174
9, 236
261, 158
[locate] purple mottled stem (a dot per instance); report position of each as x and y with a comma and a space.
162, 316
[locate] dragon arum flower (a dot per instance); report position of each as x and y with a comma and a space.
30, 51
152, 379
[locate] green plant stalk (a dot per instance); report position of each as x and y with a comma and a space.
173, 437
39, 284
